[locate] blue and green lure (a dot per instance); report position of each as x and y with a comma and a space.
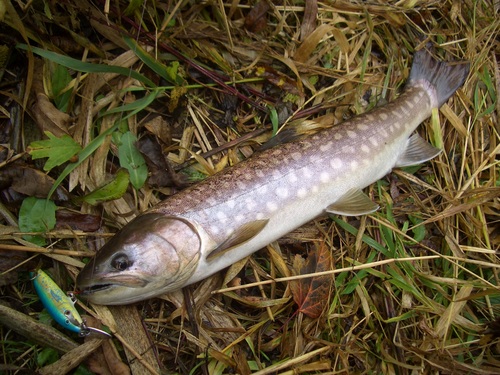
61, 306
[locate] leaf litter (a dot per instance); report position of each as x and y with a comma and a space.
415, 285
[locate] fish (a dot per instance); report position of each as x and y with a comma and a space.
230, 215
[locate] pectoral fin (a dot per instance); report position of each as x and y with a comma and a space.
418, 151
353, 203
241, 235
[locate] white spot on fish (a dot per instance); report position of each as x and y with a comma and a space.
215, 230
315, 189
365, 148
338, 136
271, 206
362, 127
231, 203
336, 163
391, 129
292, 177
354, 165
211, 201
348, 149
282, 192
324, 177
259, 173
416, 99
326, 147
397, 114
351, 134
383, 116
250, 203
241, 185
409, 104
301, 193
221, 216
370, 117
296, 156
307, 173
260, 216
239, 218
374, 141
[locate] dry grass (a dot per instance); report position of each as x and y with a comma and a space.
415, 284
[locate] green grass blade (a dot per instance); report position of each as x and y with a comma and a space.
86, 67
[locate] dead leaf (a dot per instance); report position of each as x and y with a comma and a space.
256, 19
161, 172
312, 294
160, 128
47, 116
309, 19
107, 360
306, 49
9, 260
32, 182
78, 221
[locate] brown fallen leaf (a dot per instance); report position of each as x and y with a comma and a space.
46, 115
32, 182
312, 294
161, 172
77, 221
310, 19
8, 261
107, 360
256, 19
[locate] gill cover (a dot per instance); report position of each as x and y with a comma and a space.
152, 254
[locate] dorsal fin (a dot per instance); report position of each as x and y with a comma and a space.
417, 151
239, 236
353, 203
285, 136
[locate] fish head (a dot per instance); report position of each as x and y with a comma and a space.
151, 255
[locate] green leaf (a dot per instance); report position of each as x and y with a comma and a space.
273, 116
132, 160
133, 6
82, 155
153, 63
46, 357
112, 190
37, 215
60, 80
86, 67
58, 150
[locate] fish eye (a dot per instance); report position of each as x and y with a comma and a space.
120, 262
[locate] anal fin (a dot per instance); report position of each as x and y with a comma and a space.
417, 152
353, 203
241, 235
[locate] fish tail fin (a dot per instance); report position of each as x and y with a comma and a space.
444, 77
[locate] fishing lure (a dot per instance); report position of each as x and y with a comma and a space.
61, 306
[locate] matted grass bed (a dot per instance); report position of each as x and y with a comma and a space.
148, 97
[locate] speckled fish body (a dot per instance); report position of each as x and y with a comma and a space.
227, 217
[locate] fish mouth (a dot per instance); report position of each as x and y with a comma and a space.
96, 288
109, 282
